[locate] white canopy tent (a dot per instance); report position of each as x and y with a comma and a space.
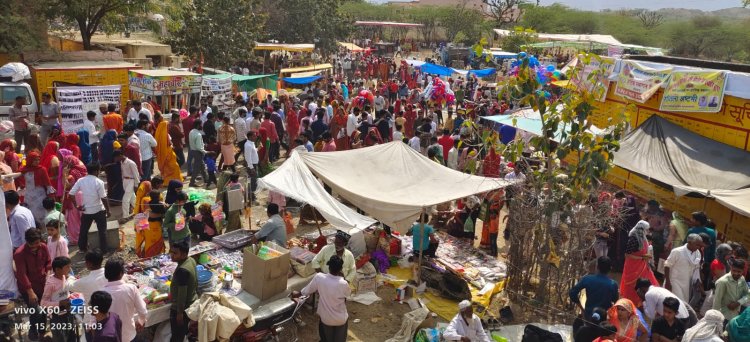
392, 182
294, 179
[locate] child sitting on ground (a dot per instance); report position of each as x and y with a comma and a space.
209, 226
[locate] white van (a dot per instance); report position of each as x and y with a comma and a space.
8, 93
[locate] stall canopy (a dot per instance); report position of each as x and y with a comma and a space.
300, 80
594, 38
530, 121
285, 47
690, 163
385, 23
250, 82
352, 47
436, 69
394, 183
316, 67
294, 179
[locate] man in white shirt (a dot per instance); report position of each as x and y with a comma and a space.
653, 300
351, 123
91, 126
379, 102
453, 155
130, 176
251, 163
333, 291
241, 129
94, 281
135, 112
205, 109
682, 268
126, 299
465, 326
50, 116
415, 143
312, 106
516, 174
20, 218
147, 145
95, 207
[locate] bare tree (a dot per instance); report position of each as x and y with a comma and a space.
650, 19
504, 11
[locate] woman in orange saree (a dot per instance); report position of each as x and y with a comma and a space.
636, 263
624, 316
165, 157
338, 127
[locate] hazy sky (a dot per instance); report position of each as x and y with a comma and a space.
595, 5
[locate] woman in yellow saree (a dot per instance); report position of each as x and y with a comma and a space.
165, 157
149, 242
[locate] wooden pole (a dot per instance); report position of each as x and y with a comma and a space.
421, 245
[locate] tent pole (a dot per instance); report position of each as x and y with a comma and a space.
421, 245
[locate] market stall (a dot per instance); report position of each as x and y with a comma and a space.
169, 88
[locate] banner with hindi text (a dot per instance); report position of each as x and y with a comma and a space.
220, 89
76, 101
694, 91
638, 83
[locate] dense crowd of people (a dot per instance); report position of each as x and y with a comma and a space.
54, 186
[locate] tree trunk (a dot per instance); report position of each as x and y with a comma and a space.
85, 36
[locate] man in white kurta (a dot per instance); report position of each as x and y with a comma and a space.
682, 267
465, 326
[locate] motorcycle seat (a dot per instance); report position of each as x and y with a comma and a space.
272, 309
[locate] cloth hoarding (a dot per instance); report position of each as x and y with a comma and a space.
365, 177
7, 277
220, 89
294, 179
157, 83
694, 91
598, 83
76, 101
668, 153
638, 83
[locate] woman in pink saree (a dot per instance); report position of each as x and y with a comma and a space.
636, 263
71, 170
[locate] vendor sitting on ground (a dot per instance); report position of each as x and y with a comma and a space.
320, 262
423, 241
465, 326
275, 229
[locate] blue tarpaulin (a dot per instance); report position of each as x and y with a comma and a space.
301, 80
483, 72
436, 69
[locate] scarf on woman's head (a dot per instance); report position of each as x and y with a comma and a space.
171, 196
140, 196
83, 144
711, 325
50, 151
6, 144
107, 146
71, 143
639, 231
630, 329
61, 155
41, 178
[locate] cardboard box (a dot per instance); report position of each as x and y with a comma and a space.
265, 278
304, 270
366, 283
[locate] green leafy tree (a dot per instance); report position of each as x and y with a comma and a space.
20, 31
221, 43
518, 38
90, 16
307, 21
552, 234
462, 19
429, 17
504, 11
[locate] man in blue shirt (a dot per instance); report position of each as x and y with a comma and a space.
423, 240
698, 225
275, 229
601, 290
319, 126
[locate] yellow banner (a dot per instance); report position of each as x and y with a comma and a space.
638, 83
694, 91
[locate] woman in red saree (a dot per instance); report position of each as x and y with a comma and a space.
35, 180
494, 202
338, 127
411, 117
491, 164
624, 316
373, 137
72, 170
49, 160
292, 123
71, 143
636, 262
